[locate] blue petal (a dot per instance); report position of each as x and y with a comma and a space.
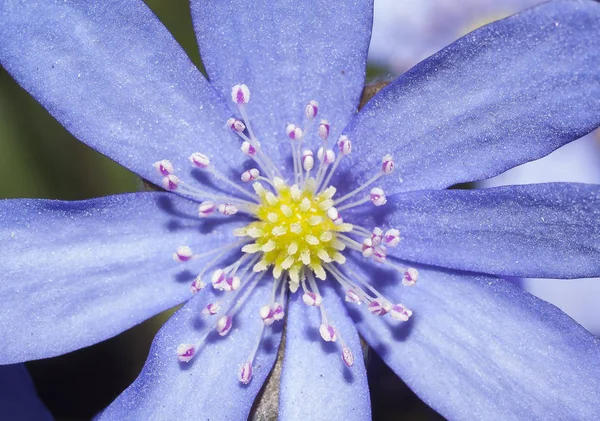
315, 382
18, 398
479, 347
288, 53
508, 93
539, 230
76, 273
206, 387
113, 75
578, 161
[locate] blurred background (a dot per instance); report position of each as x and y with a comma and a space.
38, 158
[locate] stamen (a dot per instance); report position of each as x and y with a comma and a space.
250, 175
211, 309
185, 352
206, 208
183, 254
224, 325
311, 110
171, 182
387, 166
410, 277
240, 94
245, 373
164, 167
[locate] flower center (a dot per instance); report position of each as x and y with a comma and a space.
297, 236
295, 230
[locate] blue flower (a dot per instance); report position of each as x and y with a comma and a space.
476, 346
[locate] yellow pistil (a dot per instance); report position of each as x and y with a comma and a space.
293, 231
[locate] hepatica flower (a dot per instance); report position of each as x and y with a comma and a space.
282, 202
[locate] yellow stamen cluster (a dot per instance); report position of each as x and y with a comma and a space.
293, 231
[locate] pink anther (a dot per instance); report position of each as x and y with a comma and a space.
185, 352
326, 156
345, 145
250, 175
278, 312
379, 253
236, 125
224, 325
164, 167
378, 307
183, 254
266, 314
206, 208
347, 356
391, 237
211, 309
399, 312
376, 236
293, 132
245, 373
227, 209
248, 149
324, 129
240, 94
411, 275
377, 196
197, 285
312, 299
171, 182
367, 248
387, 164
352, 296
312, 109
199, 160
327, 333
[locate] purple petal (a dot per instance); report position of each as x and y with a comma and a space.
538, 230
76, 273
288, 53
208, 385
508, 93
18, 398
113, 75
480, 347
315, 382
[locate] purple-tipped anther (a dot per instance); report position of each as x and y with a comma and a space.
379, 253
236, 125
183, 254
266, 314
199, 160
197, 285
312, 299
411, 275
164, 167
250, 175
245, 373
171, 182
185, 352
311, 110
326, 156
387, 164
376, 236
378, 308
324, 129
391, 237
278, 312
399, 312
347, 356
211, 309
293, 132
352, 297
377, 196
240, 94
247, 149
227, 209
206, 208
344, 145
327, 333
224, 325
